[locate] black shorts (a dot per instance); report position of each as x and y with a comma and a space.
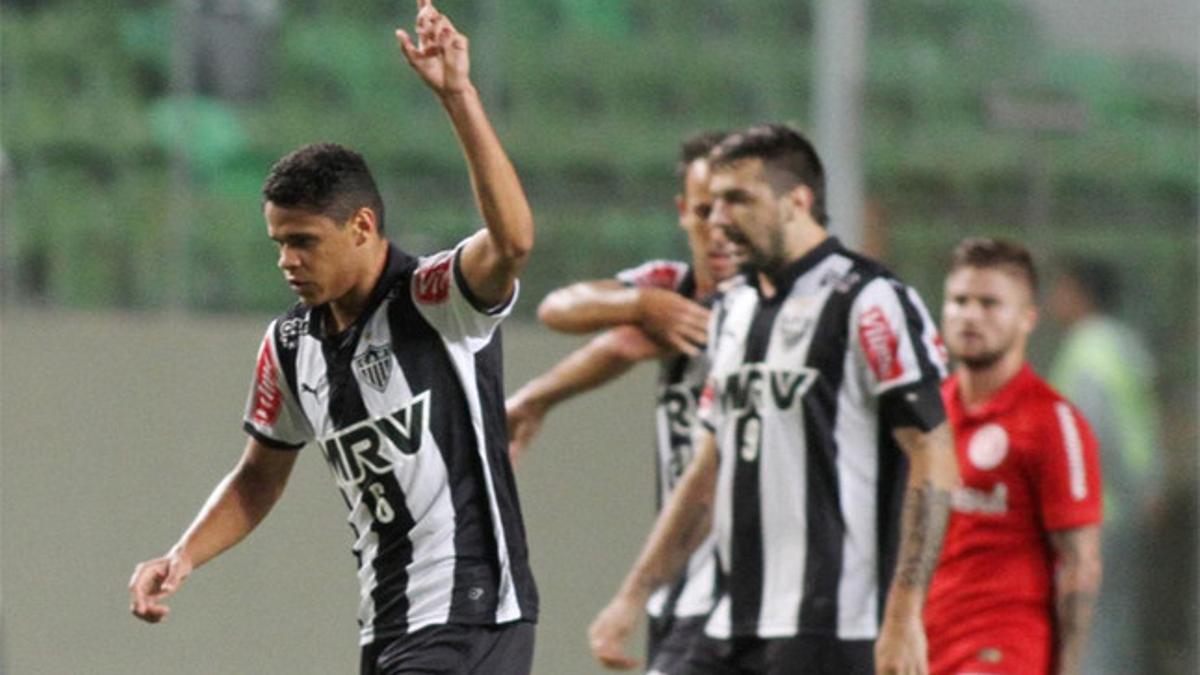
668, 642
453, 649
799, 655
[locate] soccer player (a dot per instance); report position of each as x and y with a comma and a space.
824, 421
391, 364
1018, 577
660, 299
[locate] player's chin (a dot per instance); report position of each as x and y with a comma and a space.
308, 294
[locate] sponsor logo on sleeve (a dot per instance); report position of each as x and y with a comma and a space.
268, 398
707, 396
880, 345
432, 284
659, 276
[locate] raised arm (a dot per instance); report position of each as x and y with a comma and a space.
494, 257
1077, 574
233, 510
600, 361
933, 474
671, 320
681, 528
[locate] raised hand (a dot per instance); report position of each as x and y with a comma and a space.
440, 56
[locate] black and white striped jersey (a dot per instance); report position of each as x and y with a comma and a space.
804, 392
407, 406
680, 381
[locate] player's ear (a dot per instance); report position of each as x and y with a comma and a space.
1030, 317
801, 198
680, 205
365, 225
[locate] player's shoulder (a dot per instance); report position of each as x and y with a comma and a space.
733, 289
1037, 391
864, 266
860, 278
1041, 405
287, 327
656, 273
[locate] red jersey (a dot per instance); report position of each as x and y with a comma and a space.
1029, 465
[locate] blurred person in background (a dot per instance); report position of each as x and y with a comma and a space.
825, 465
391, 364
656, 310
1103, 366
1017, 582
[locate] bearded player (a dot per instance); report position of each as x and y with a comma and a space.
1020, 570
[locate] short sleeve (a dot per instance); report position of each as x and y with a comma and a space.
665, 274
441, 295
273, 415
900, 354
706, 409
1068, 471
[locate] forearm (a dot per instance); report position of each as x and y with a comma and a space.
236, 506
498, 192
1076, 586
590, 306
678, 532
925, 515
600, 361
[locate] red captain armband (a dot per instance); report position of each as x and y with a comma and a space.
880, 345
268, 399
432, 284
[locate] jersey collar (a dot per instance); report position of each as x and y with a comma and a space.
393, 270
1008, 396
786, 277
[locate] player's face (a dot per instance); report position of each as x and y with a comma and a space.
315, 253
988, 314
749, 213
709, 246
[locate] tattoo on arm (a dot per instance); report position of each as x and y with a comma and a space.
926, 513
1076, 587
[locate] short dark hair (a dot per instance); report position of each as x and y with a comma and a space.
787, 156
992, 253
1096, 278
696, 146
324, 178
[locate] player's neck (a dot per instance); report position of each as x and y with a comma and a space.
802, 238
706, 284
978, 386
346, 309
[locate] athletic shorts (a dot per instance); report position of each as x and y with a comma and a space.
799, 655
453, 649
668, 642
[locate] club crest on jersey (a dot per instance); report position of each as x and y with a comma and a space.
374, 366
988, 447
795, 324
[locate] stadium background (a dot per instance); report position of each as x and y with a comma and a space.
137, 280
